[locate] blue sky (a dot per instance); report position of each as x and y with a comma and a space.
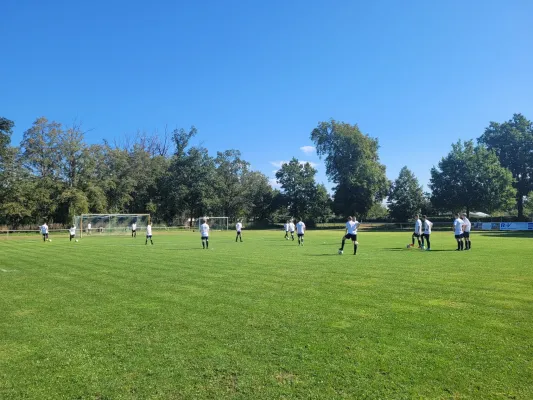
259, 76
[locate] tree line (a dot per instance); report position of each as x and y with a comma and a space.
53, 174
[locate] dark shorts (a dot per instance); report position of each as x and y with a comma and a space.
205, 237
416, 234
351, 237
300, 235
466, 235
45, 234
134, 230
72, 236
238, 232
459, 236
292, 232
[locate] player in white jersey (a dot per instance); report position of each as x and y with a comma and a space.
149, 234
238, 228
351, 233
300, 226
291, 229
72, 232
286, 227
427, 224
89, 228
466, 231
418, 232
458, 231
204, 232
44, 231
134, 229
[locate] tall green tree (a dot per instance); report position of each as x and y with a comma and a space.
352, 164
513, 143
258, 197
471, 177
405, 197
40, 153
304, 198
230, 171
6, 129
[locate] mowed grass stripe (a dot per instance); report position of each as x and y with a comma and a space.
114, 318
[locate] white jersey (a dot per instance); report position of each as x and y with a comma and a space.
72, 231
458, 226
89, 226
301, 227
133, 227
286, 226
351, 227
44, 229
427, 227
238, 227
291, 226
148, 230
204, 230
418, 227
467, 223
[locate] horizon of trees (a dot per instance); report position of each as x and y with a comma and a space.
54, 174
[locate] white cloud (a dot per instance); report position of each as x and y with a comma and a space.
274, 183
307, 149
278, 164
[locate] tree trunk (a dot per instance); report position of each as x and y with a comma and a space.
520, 205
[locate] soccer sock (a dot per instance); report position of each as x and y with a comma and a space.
354, 248
342, 245
207, 243
203, 243
427, 240
469, 245
419, 242
413, 240
151, 241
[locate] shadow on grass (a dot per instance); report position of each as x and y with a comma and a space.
414, 250
322, 255
508, 234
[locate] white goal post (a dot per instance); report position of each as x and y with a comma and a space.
110, 224
215, 223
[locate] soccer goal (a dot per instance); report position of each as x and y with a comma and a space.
215, 223
110, 224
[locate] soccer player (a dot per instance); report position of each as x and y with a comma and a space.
300, 226
238, 228
418, 231
458, 231
466, 232
351, 233
134, 229
291, 229
204, 232
44, 231
286, 227
427, 224
89, 228
72, 232
149, 234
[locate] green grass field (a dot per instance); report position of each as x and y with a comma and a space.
111, 318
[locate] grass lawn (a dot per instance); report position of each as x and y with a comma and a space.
111, 318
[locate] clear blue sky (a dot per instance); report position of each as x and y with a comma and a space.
259, 76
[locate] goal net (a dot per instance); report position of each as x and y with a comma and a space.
215, 223
110, 224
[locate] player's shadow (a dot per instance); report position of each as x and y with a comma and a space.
414, 250
322, 255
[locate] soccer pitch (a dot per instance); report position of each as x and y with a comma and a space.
113, 318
